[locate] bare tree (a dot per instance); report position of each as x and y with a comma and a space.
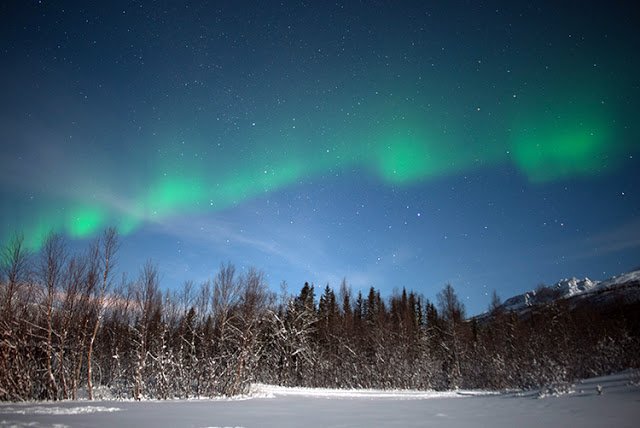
148, 305
226, 295
52, 259
254, 299
495, 306
15, 372
73, 283
451, 308
15, 270
106, 248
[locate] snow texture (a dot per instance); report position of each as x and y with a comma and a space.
270, 391
47, 410
577, 404
626, 286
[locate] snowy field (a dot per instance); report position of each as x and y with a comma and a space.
578, 406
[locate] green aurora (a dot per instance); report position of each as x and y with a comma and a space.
559, 144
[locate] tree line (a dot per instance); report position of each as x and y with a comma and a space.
69, 327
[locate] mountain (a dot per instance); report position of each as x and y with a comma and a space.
624, 288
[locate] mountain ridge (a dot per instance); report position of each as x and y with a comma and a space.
576, 292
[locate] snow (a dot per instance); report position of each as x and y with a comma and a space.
47, 410
625, 285
270, 391
621, 279
577, 405
571, 287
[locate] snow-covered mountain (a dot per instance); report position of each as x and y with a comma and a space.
624, 288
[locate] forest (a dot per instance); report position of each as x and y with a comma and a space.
70, 327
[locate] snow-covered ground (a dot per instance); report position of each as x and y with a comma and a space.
270, 391
579, 405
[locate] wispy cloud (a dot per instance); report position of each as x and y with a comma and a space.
223, 234
311, 256
623, 237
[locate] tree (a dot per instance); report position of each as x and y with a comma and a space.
347, 311
52, 260
104, 250
73, 283
16, 368
148, 307
294, 331
254, 299
452, 313
327, 335
451, 308
495, 306
15, 271
226, 298
328, 314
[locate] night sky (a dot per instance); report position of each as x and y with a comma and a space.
397, 144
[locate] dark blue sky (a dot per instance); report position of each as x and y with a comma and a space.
397, 144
